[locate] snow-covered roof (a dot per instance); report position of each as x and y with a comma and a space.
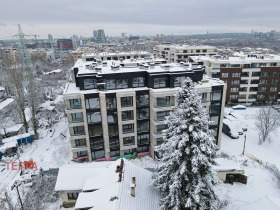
53, 72
14, 138
267, 203
146, 196
226, 165
14, 128
5, 103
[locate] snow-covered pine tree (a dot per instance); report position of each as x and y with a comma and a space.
184, 174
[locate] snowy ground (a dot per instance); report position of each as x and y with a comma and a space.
260, 180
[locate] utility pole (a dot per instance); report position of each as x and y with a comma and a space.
244, 145
19, 198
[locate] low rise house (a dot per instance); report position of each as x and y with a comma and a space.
107, 185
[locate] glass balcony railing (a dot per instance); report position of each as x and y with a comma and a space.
166, 104
78, 133
76, 120
75, 106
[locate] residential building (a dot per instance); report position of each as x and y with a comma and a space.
179, 53
250, 78
64, 44
118, 107
94, 33
50, 37
100, 185
100, 38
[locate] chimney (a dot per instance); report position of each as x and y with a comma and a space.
134, 179
132, 190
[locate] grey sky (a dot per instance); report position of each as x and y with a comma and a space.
63, 18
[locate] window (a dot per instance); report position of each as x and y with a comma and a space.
159, 141
216, 95
255, 81
242, 96
215, 120
96, 143
127, 115
224, 75
114, 143
82, 154
113, 130
92, 103
274, 82
111, 103
95, 130
198, 51
79, 130
234, 89
138, 82
73, 196
262, 64
275, 74
126, 101
273, 89
161, 116
112, 117
244, 81
142, 100
121, 83
128, 141
77, 117
252, 96
115, 153
185, 51
75, 103
89, 84
263, 81
254, 89
143, 126
223, 65
271, 97
204, 50
178, 81
235, 82
264, 74
262, 89
160, 128
94, 117
160, 82
260, 96
80, 142
245, 74
97, 154
256, 74
143, 113
273, 64
243, 89
236, 74
110, 84
143, 139
233, 97
164, 101
216, 75
128, 128
235, 65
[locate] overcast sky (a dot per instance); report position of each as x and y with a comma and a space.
63, 18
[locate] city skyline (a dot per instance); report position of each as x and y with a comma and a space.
65, 18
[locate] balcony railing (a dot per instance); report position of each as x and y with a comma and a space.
75, 106
80, 133
205, 100
164, 104
76, 120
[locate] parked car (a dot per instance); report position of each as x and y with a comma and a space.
230, 129
239, 107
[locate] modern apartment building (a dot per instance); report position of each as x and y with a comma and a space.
119, 107
250, 78
100, 38
64, 44
179, 53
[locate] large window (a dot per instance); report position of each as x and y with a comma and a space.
214, 120
164, 101
82, 154
216, 95
260, 96
79, 130
127, 101
114, 143
138, 82
113, 130
255, 81
143, 113
96, 143
80, 142
235, 82
273, 89
254, 89
89, 84
111, 103
178, 81
143, 139
73, 196
95, 130
271, 97
215, 108
234, 89
92, 103
256, 74
233, 97
143, 126
128, 141
142, 100
160, 128
97, 154
75, 103
263, 82
224, 75
235, 74
122, 83
264, 74
112, 117
77, 117
161, 116
110, 84
94, 117
127, 115
128, 128
160, 82
262, 89
274, 82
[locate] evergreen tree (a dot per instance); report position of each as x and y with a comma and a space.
184, 174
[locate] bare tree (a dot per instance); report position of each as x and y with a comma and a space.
268, 120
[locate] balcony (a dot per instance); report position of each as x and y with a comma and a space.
75, 106
166, 104
79, 133
76, 120
205, 100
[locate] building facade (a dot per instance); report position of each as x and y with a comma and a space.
64, 44
100, 38
250, 78
118, 107
179, 53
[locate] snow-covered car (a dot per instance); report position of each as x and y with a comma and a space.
230, 129
239, 107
